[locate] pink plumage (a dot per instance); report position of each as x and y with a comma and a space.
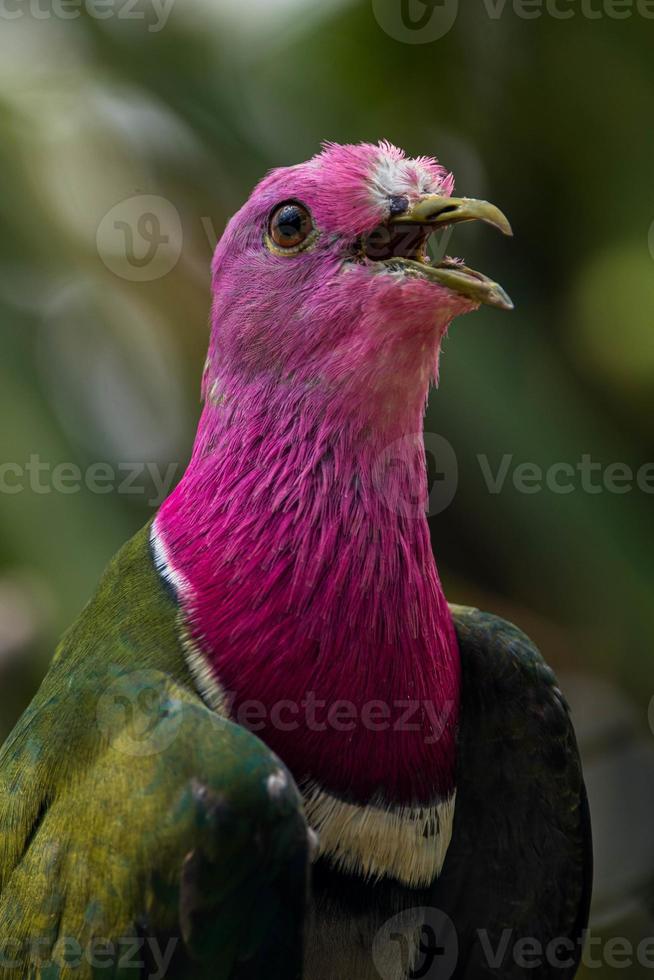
297, 532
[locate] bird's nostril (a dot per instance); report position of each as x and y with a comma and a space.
399, 205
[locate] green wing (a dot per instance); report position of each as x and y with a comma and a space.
141, 834
517, 876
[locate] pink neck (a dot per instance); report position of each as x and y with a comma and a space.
309, 579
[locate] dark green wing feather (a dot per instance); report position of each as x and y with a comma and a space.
139, 830
519, 866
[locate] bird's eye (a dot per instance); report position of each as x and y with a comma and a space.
290, 225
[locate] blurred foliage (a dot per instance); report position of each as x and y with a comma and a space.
548, 118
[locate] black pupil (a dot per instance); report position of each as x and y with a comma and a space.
290, 222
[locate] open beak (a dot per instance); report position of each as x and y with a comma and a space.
401, 244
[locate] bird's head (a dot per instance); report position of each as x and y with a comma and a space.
323, 279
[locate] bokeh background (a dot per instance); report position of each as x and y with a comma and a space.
127, 140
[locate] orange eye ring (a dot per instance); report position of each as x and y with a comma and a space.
290, 226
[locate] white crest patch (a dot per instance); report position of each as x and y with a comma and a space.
394, 177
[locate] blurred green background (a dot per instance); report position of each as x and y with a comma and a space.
174, 113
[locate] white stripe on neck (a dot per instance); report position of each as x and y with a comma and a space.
176, 580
